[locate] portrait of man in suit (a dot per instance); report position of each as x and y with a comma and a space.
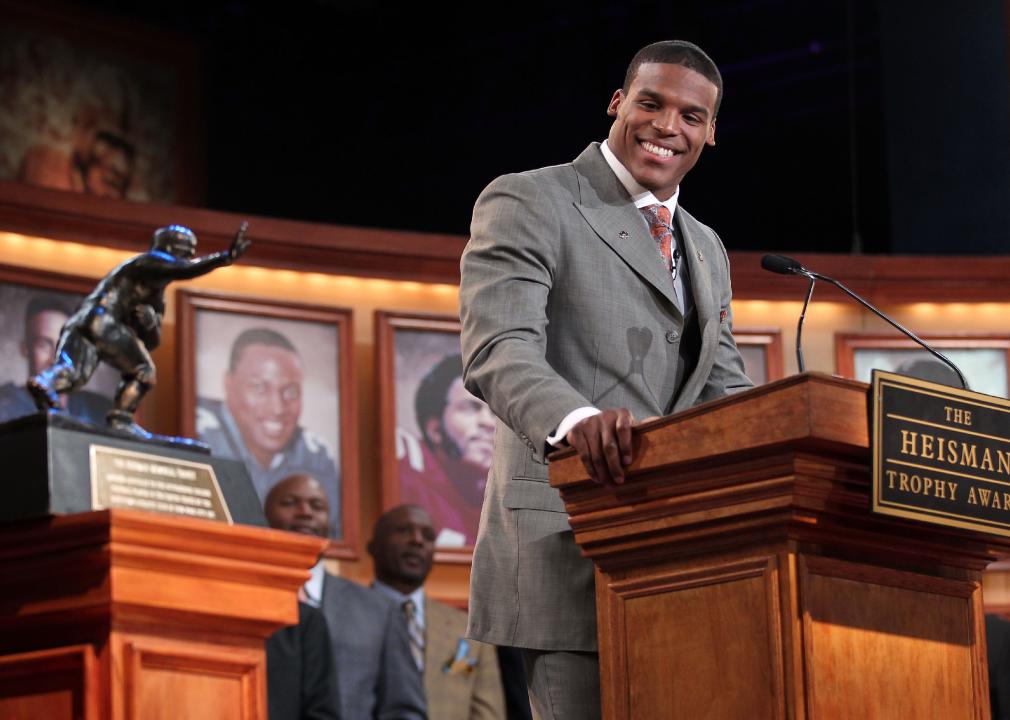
31, 320
376, 673
461, 678
589, 300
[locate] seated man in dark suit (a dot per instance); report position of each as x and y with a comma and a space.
376, 674
997, 636
301, 684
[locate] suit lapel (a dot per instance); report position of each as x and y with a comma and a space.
608, 209
700, 268
331, 600
438, 637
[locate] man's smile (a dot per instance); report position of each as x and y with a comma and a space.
273, 428
659, 151
412, 559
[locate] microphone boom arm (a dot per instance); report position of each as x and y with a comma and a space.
799, 327
940, 356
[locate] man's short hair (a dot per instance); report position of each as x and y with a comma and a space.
676, 52
44, 303
433, 392
256, 336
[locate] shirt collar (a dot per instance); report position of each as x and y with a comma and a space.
417, 596
639, 195
314, 585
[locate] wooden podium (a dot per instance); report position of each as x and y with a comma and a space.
130, 615
741, 574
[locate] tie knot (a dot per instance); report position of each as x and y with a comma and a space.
657, 215
409, 608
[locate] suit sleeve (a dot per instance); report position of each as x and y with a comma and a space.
319, 687
507, 272
997, 635
488, 700
401, 686
727, 374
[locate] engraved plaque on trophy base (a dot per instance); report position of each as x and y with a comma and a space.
57, 464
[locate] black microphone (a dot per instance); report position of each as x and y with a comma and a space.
780, 264
788, 266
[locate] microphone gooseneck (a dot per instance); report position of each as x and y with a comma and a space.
799, 327
788, 266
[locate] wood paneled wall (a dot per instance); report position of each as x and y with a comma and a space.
369, 269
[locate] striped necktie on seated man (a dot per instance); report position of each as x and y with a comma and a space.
416, 633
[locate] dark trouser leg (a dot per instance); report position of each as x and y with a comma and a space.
76, 360
127, 354
563, 685
129, 393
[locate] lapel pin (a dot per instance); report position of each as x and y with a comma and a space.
623, 234
701, 258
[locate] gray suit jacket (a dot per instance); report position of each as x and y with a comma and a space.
376, 674
565, 303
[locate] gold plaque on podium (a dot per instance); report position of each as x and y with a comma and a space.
145, 481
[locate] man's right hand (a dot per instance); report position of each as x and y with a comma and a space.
603, 442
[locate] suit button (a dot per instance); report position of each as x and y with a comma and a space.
672, 336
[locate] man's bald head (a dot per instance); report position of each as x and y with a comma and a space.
298, 504
403, 547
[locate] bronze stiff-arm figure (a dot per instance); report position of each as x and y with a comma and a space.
120, 322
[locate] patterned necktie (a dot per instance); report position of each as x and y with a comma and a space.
415, 632
659, 219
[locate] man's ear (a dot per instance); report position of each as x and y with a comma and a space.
433, 431
710, 140
615, 102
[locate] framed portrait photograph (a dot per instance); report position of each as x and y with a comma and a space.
271, 384
984, 359
436, 438
34, 305
761, 351
97, 107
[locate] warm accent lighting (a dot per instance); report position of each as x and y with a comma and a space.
314, 287
47, 254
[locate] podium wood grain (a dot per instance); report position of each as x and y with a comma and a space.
741, 574
126, 614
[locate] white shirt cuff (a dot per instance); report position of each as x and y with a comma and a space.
557, 438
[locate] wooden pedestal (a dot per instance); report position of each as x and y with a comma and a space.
126, 614
740, 573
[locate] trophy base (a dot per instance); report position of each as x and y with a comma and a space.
58, 464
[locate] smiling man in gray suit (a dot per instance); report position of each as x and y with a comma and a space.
589, 298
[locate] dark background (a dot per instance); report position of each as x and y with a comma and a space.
878, 126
